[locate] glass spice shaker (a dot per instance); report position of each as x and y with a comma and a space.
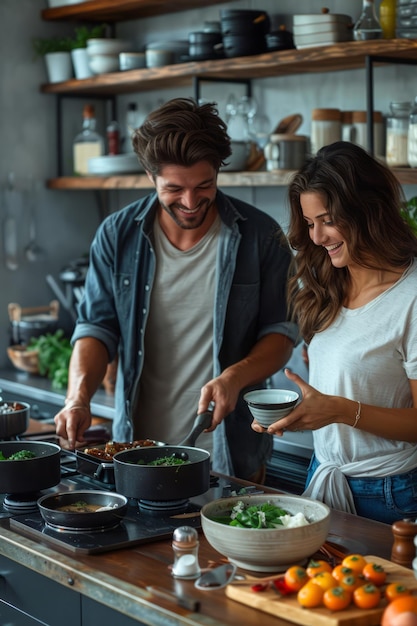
185, 546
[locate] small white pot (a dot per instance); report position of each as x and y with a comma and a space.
81, 63
58, 66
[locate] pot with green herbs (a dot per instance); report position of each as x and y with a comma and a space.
28, 466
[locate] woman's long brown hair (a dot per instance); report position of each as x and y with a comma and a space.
364, 201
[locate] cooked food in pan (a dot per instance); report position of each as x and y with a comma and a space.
112, 447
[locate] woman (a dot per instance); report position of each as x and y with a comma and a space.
354, 295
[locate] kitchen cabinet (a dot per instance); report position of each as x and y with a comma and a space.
337, 57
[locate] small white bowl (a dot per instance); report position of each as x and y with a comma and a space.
132, 60
108, 46
103, 63
269, 405
267, 549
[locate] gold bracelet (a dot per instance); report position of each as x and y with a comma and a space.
358, 414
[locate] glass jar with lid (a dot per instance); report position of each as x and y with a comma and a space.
412, 136
397, 134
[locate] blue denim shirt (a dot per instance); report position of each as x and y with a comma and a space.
251, 271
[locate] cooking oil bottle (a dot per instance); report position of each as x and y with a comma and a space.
388, 18
88, 143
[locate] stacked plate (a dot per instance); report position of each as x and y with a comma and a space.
321, 29
114, 164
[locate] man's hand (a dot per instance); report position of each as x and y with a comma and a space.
72, 422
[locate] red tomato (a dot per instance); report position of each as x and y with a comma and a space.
295, 577
406, 605
310, 595
367, 596
316, 567
396, 590
337, 598
374, 573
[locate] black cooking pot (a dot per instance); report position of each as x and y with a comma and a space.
134, 478
244, 22
30, 475
14, 418
116, 508
280, 40
242, 45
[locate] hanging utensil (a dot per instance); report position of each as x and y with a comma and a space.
10, 226
32, 250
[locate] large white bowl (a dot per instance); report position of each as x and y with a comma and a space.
265, 549
269, 405
109, 45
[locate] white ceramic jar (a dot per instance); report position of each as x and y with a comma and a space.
326, 128
397, 134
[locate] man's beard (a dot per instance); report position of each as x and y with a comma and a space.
195, 220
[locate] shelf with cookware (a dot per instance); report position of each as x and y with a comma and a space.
336, 57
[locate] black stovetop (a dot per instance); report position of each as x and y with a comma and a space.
138, 526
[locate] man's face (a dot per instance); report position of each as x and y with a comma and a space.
187, 194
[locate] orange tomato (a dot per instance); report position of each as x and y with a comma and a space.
325, 580
355, 561
310, 595
295, 577
350, 582
316, 567
367, 596
396, 590
374, 573
339, 571
407, 604
337, 598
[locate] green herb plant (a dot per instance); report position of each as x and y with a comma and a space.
409, 212
54, 353
83, 33
44, 46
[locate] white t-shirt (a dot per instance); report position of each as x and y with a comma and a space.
178, 340
367, 354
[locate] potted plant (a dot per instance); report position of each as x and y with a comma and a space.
57, 54
79, 54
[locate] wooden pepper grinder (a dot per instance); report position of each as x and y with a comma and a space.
403, 549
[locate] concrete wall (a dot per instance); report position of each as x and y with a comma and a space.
66, 221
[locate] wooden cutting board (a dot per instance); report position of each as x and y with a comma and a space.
288, 608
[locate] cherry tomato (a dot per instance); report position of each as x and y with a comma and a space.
337, 598
367, 596
355, 561
325, 580
339, 571
316, 567
396, 590
407, 604
295, 577
281, 586
350, 582
374, 573
310, 595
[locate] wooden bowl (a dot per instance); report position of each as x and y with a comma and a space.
23, 359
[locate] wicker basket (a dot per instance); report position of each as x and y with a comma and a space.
23, 359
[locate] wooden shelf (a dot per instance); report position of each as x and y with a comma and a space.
141, 181
337, 57
120, 10
278, 178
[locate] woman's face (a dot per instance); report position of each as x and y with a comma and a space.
322, 230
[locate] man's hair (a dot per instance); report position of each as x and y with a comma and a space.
182, 132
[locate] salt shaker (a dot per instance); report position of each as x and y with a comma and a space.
185, 546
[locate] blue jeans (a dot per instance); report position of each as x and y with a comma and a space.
383, 499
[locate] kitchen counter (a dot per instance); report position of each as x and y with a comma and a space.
39, 389
119, 579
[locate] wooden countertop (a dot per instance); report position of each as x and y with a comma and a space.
119, 579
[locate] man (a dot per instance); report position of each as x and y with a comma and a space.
188, 287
